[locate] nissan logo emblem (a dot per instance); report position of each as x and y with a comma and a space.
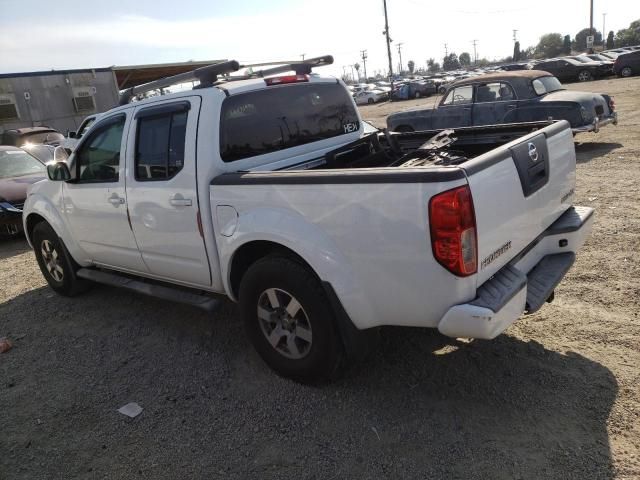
533, 152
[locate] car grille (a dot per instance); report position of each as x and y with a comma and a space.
599, 110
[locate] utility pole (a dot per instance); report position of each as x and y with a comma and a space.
475, 54
603, 31
303, 56
515, 36
446, 52
364, 63
400, 55
591, 25
353, 77
386, 33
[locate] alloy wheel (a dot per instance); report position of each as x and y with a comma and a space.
51, 260
284, 323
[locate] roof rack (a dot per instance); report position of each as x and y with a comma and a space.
208, 75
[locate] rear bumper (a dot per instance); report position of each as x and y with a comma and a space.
523, 285
597, 124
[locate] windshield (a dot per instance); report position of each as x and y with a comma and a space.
41, 137
582, 59
544, 85
16, 163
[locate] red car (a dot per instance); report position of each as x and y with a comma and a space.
18, 170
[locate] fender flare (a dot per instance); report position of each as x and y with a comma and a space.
313, 245
43, 207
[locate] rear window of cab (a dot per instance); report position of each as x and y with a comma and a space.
286, 116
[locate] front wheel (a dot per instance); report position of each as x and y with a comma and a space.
371, 101
288, 319
56, 265
626, 72
585, 76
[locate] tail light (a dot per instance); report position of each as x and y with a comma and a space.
286, 79
453, 231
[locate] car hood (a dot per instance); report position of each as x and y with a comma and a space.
14, 189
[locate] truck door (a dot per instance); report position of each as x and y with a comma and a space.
494, 103
455, 109
95, 205
162, 191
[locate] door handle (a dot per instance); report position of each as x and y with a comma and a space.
116, 200
179, 201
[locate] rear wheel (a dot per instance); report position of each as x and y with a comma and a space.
370, 101
56, 265
626, 72
288, 319
585, 76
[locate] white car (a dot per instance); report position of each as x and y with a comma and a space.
319, 231
365, 97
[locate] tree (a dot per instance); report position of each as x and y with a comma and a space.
610, 43
433, 66
516, 52
451, 62
580, 42
357, 67
550, 45
566, 48
411, 65
465, 59
629, 36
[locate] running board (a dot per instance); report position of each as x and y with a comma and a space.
205, 302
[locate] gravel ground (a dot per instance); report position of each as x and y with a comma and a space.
554, 397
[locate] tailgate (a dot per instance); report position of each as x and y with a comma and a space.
520, 189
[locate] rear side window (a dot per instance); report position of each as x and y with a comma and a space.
277, 118
160, 146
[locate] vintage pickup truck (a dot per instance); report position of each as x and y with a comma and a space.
509, 97
268, 190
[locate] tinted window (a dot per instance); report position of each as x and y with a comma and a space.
459, 96
85, 126
544, 85
15, 163
160, 146
99, 156
282, 117
494, 92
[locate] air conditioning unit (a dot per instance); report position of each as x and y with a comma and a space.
8, 107
83, 100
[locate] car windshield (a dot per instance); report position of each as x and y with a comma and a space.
16, 163
543, 85
50, 137
582, 59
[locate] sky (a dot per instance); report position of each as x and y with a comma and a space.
36, 35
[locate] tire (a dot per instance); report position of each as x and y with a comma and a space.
585, 76
305, 346
626, 72
371, 101
55, 262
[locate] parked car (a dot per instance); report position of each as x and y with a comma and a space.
18, 170
513, 66
606, 66
365, 97
73, 137
413, 89
273, 211
597, 57
19, 136
569, 70
509, 97
627, 64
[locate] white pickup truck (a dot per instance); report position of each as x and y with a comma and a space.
267, 190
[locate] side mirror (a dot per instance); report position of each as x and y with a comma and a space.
72, 135
58, 172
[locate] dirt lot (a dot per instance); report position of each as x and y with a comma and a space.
555, 397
